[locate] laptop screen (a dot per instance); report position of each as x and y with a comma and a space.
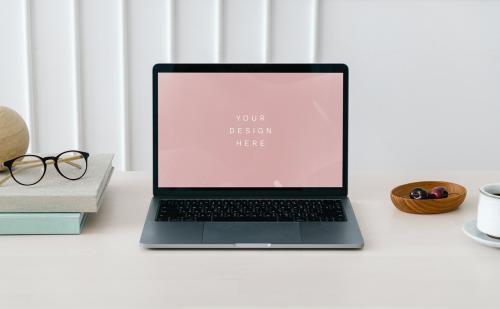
249, 130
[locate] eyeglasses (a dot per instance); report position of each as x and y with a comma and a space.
28, 170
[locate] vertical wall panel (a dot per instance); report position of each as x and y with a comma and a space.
54, 90
169, 28
29, 78
13, 79
315, 30
196, 31
291, 30
266, 30
124, 84
244, 23
148, 45
77, 94
218, 24
102, 93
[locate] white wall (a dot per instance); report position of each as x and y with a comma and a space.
425, 75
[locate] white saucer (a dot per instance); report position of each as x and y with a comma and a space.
470, 229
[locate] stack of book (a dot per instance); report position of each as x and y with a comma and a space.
55, 205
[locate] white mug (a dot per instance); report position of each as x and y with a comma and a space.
488, 212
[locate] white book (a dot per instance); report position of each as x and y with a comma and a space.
55, 193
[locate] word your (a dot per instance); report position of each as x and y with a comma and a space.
247, 118
250, 126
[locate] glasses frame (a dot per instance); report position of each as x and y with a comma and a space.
9, 164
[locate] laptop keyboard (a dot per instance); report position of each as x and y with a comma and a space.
260, 210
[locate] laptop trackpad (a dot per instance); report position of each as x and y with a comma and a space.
251, 232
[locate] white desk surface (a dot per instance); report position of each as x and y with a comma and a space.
408, 260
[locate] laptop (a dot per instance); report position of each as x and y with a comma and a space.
250, 156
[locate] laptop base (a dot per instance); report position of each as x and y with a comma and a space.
251, 235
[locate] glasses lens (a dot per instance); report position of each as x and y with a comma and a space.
28, 170
72, 165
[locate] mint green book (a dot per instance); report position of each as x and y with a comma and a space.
36, 223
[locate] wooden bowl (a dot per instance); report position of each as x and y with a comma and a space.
400, 197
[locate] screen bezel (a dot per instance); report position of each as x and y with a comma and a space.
250, 191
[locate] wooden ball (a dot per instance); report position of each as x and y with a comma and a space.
14, 135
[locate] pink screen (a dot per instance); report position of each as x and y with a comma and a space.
250, 129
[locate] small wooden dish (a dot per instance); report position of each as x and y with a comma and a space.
400, 197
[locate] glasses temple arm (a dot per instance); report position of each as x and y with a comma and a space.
66, 160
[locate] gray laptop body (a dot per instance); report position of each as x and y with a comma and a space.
171, 184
